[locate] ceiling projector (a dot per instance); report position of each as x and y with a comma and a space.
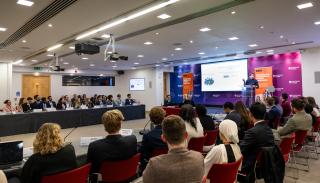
54, 65
110, 53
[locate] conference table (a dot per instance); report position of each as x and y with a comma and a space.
22, 123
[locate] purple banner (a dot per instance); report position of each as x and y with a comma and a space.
286, 78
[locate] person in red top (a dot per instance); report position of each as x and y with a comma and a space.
285, 104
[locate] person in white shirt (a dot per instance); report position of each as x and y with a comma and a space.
228, 132
193, 124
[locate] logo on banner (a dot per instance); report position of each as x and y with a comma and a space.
208, 81
278, 75
293, 68
215, 96
237, 96
294, 96
279, 89
294, 82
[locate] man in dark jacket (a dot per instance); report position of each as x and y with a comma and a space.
255, 138
233, 115
27, 107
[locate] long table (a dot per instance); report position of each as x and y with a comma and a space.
21, 123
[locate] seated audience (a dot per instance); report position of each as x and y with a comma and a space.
44, 102
255, 138
285, 104
8, 107
27, 107
118, 101
193, 125
167, 101
187, 99
241, 109
3, 178
99, 100
50, 156
19, 107
277, 104
67, 101
179, 165
114, 147
300, 120
37, 104
110, 100
104, 100
273, 114
309, 110
205, 120
233, 115
77, 103
152, 139
129, 100
229, 151
90, 103
51, 103
312, 102
61, 104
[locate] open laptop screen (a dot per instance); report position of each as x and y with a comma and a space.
11, 152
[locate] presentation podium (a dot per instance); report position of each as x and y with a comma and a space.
248, 94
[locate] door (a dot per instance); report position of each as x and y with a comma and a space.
36, 85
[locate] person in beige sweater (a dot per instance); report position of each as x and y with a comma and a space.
3, 178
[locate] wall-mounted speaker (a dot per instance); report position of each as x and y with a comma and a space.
120, 72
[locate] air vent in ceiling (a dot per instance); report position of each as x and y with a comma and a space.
97, 39
50, 11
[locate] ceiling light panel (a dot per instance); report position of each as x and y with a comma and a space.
2, 29
205, 29
305, 5
25, 2
164, 16
54, 47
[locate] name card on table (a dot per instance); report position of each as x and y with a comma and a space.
51, 109
69, 108
83, 107
109, 105
37, 110
97, 107
126, 132
85, 141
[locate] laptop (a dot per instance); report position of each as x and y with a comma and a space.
11, 153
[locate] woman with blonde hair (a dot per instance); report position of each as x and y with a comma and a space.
50, 156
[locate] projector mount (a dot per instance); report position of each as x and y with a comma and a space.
110, 51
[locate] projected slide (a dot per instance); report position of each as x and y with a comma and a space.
223, 76
137, 84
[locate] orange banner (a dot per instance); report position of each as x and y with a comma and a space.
187, 79
264, 77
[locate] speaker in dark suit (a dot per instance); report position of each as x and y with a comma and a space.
51, 103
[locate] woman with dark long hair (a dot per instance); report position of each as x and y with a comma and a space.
245, 118
193, 125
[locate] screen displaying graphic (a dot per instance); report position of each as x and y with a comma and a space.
224, 76
136, 84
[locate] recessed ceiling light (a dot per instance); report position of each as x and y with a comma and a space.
2, 29
164, 16
25, 2
50, 55
293, 43
50, 25
17, 62
84, 58
217, 47
185, 63
66, 63
36, 73
114, 66
178, 49
133, 68
136, 63
71, 47
157, 65
106, 36
317, 23
269, 51
24, 41
233, 12
140, 56
100, 74
233, 38
261, 27
92, 65
34, 60
201, 53
253, 45
281, 37
157, 33
54, 47
127, 18
305, 5
258, 52
164, 59
205, 29
113, 61
148, 43
191, 41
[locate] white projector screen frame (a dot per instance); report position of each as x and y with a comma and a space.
224, 76
137, 84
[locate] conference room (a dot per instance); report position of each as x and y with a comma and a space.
159, 91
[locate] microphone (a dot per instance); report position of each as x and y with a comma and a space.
142, 132
73, 129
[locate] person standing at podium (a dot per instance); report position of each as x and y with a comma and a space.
251, 81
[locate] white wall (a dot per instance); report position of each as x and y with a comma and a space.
5, 81
310, 64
